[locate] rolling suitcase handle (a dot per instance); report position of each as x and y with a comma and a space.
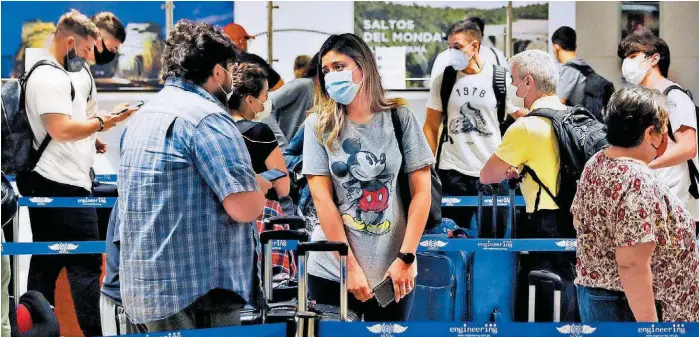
510, 229
266, 237
494, 225
479, 211
481, 189
540, 276
323, 246
295, 222
305, 324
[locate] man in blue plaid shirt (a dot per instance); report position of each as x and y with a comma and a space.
188, 195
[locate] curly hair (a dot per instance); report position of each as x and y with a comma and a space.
631, 111
193, 49
248, 79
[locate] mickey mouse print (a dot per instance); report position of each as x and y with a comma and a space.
368, 188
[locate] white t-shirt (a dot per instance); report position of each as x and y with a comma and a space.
682, 112
472, 121
48, 91
489, 55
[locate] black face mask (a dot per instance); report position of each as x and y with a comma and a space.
106, 56
72, 62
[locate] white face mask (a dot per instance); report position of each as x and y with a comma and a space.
458, 59
635, 69
513, 98
228, 93
266, 110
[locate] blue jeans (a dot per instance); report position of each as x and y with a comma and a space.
602, 305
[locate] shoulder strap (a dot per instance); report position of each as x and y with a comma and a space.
497, 59
402, 180
693, 171
666, 92
546, 113
500, 90
92, 80
47, 140
40, 63
550, 114
397, 129
245, 125
448, 81
528, 170
584, 69
671, 88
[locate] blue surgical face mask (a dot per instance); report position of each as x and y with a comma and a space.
459, 59
340, 87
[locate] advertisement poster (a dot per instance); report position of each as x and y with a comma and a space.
421, 26
638, 17
31, 24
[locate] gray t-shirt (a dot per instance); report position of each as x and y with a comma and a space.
290, 104
571, 83
364, 167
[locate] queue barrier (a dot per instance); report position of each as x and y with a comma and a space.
472, 329
103, 178
453, 329
429, 243
108, 202
397, 329
260, 330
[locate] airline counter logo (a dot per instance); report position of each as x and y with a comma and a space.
41, 201
63, 247
674, 330
486, 330
501, 245
576, 330
450, 201
433, 244
99, 201
387, 330
567, 244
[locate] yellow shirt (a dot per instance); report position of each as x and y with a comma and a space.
531, 141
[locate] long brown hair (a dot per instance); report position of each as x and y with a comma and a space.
332, 115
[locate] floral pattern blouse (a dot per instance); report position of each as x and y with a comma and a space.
620, 202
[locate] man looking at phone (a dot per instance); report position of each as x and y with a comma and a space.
61, 111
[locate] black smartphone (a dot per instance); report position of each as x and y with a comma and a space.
273, 174
384, 292
138, 105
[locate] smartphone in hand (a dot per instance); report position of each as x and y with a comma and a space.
273, 174
138, 105
384, 293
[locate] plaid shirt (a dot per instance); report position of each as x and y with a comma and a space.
283, 262
181, 155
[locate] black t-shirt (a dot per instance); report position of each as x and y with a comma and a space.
260, 141
272, 76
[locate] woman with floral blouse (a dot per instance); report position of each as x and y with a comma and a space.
637, 255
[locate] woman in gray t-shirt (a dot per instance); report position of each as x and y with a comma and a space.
352, 161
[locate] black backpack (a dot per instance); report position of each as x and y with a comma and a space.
693, 172
598, 90
18, 154
499, 88
579, 137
